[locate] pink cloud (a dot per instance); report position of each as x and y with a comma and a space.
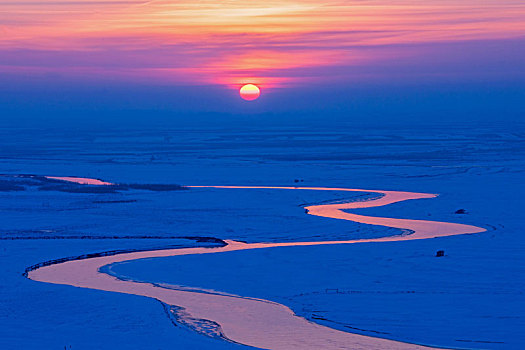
268, 42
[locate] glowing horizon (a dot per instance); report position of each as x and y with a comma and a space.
271, 43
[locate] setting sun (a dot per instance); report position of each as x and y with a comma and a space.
250, 92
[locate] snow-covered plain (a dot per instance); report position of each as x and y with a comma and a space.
471, 298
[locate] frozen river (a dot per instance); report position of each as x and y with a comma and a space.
254, 322
392, 289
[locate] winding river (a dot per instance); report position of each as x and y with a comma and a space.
254, 322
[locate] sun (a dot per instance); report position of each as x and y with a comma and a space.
250, 92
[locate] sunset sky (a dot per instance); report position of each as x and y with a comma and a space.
171, 56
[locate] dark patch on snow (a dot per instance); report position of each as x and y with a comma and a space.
201, 239
115, 252
168, 310
115, 201
202, 326
152, 187
320, 318
197, 239
480, 341
77, 188
8, 186
19, 182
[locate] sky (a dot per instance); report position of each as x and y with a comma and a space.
341, 60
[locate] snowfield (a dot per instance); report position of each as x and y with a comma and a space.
472, 297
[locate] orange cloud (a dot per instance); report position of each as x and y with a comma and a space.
234, 42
